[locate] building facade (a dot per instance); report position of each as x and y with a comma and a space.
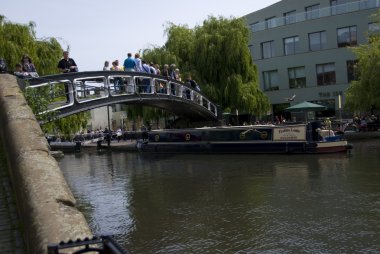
302, 49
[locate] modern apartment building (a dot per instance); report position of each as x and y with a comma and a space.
301, 49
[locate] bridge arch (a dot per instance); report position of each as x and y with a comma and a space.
72, 93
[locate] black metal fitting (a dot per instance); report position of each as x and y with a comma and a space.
97, 244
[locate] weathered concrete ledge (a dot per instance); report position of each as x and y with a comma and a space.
45, 202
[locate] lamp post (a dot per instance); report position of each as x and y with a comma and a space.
237, 116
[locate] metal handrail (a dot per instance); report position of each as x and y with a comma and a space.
90, 86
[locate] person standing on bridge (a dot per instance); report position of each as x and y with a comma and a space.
152, 69
146, 81
165, 71
129, 63
106, 66
118, 81
115, 66
177, 75
66, 65
28, 66
172, 71
191, 82
138, 62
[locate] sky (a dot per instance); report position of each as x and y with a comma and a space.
98, 30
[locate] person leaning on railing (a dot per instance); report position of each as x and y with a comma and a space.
28, 66
66, 65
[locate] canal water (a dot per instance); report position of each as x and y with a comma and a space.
232, 203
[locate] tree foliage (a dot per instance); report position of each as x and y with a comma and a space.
19, 39
159, 55
68, 125
364, 93
39, 99
217, 56
180, 42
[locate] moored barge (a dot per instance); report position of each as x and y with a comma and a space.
294, 138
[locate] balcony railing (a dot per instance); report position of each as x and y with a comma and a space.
318, 13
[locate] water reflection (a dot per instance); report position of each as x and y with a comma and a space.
232, 203
104, 190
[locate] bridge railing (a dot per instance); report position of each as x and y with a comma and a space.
65, 90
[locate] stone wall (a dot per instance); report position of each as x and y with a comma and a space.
45, 202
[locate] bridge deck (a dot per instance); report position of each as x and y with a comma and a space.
72, 93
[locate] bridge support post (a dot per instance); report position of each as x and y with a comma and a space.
109, 134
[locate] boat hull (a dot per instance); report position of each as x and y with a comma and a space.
333, 147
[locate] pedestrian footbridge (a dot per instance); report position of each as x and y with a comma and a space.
71, 93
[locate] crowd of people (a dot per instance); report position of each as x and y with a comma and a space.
106, 135
26, 68
365, 123
137, 64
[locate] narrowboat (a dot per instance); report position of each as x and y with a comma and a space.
293, 138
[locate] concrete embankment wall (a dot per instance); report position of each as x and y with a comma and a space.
45, 202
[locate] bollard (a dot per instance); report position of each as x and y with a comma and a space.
78, 146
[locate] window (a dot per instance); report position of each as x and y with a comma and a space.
312, 12
297, 78
270, 80
347, 36
291, 45
290, 17
267, 49
254, 26
351, 70
338, 7
366, 4
328, 103
270, 22
317, 41
326, 74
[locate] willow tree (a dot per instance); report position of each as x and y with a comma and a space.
225, 65
160, 56
181, 42
364, 93
217, 56
19, 39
